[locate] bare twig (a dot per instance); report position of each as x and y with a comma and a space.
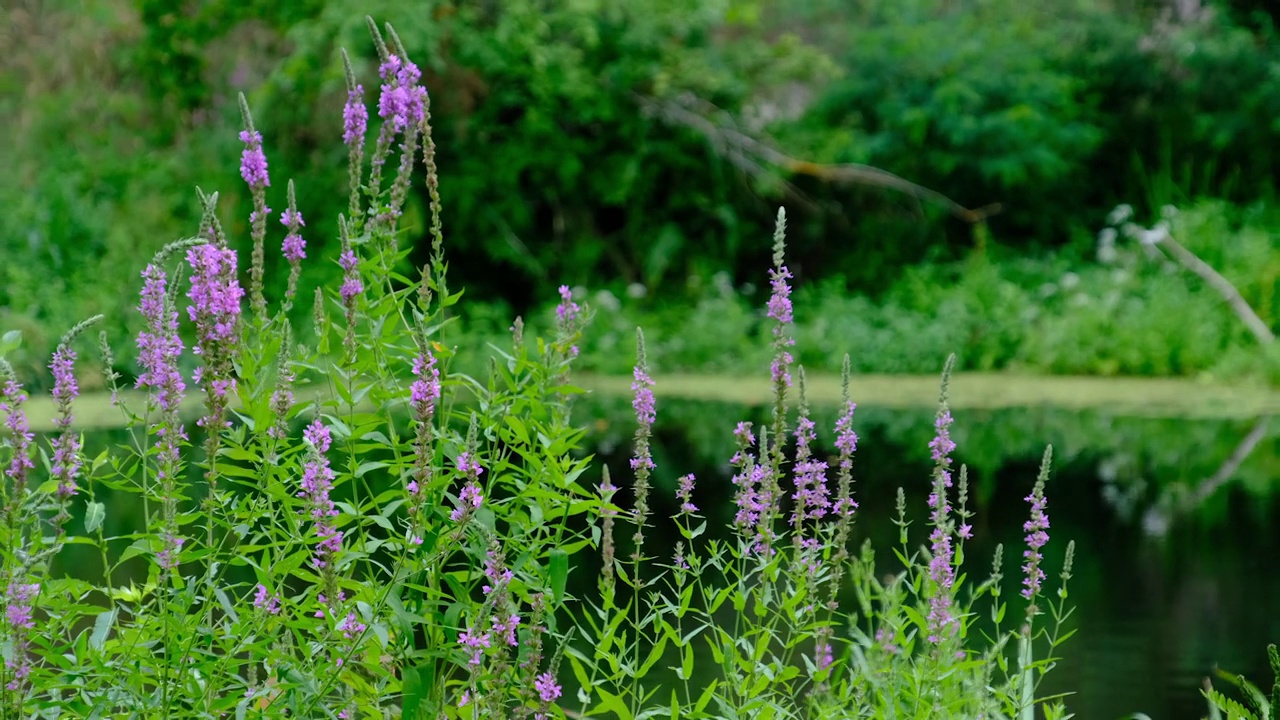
1234, 299
751, 154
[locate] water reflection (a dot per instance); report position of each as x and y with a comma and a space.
1177, 569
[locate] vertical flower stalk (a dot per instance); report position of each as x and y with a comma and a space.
528, 688
253, 168
159, 348
282, 394
317, 481
66, 460
355, 120
568, 315
215, 295
779, 310
433, 193
684, 493
19, 440
405, 105
941, 618
471, 497
351, 288
811, 500
846, 446
1037, 529
607, 550
19, 620
424, 394
743, 479
642, 464
294, 248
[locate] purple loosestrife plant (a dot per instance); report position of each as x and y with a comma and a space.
159, 348
19, 440
1037, 529
294, 248
19, 599
642, 463
355, 121
407, 115
424, 394
942, 620
811, 500
317, 481
253, 168
351, 288
66, 459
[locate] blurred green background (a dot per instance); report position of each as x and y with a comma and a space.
555, 168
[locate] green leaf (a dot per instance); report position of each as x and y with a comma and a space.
612, 703
412, 693
227, 607
94, 514
559, 573
101, 626
11, 341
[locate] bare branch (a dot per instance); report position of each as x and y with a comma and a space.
750, 154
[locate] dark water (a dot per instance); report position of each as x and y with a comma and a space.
1172, 577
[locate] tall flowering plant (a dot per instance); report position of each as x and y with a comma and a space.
797, 623
295, 529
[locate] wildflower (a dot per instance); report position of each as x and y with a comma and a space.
476, 643
351, 627
294, 248
846, 444
18, 610
168, 555
317, 480
401, 101
685, 494
253, 161
1037, 532
265, 601
21, 437
471, 498
355, 117
941, 619
351, 285
567, 311
282, 394
424, 393
811, 501
215, 308
642, 463
19, 616
547, 688
567, 316
159, 345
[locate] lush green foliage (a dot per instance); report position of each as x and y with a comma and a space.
1059, 111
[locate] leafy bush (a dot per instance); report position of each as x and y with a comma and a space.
410, 553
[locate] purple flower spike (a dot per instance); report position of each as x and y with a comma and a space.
1037, 529
294, 248
547, 688
253, 161
402, 103
355, 117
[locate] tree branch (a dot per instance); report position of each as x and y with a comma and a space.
749, 154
